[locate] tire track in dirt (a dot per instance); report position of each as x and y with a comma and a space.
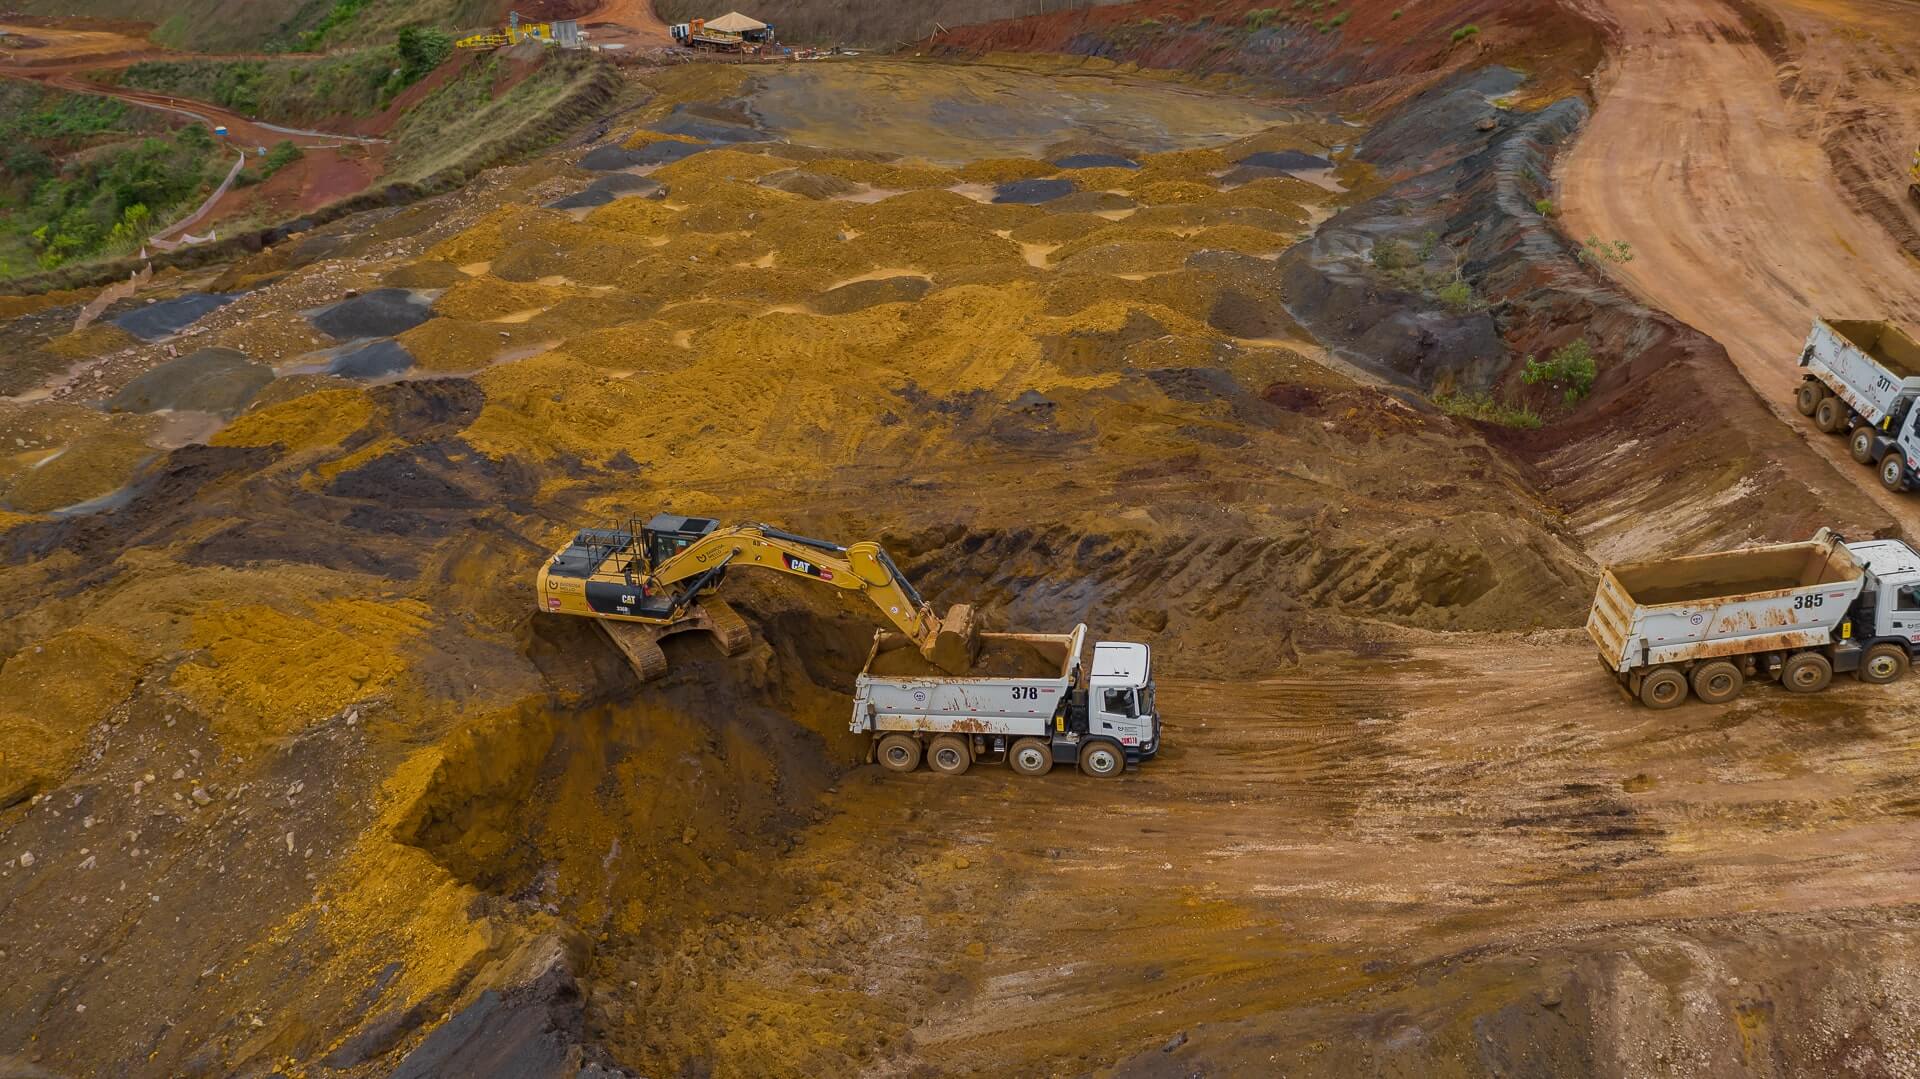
1724, 189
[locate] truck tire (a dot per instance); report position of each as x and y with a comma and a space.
1717, 682
1806, 672
1830, 415
1882, 663
1031, 757
1664, 688
1102, 759
1860, 444
899, 752
1893, 472
948, 755
1807, 397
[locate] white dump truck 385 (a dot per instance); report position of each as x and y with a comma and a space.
1862, 379
1030, 701
1791, 612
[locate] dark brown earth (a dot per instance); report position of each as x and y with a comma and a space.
398, 822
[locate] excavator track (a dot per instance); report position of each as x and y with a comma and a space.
640, 644
729, 630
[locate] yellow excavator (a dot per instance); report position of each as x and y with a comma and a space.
642, 584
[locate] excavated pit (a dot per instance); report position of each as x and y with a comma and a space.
1398, 806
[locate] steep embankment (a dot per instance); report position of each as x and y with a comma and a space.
1747, 164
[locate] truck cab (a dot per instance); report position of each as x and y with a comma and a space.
1889, 606
1120, 701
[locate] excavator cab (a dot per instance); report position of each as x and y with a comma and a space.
667, 534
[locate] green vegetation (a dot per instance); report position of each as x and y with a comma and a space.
339, 15
1465, 32
1258, 18
1405, 267
1596, 251
250, 26
1543, 207
1482, 407
1396, 14
301, 90
284, 153
86, 175
1570, 367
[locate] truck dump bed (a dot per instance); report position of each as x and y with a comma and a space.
1015, 688
1788, 595
1870, 364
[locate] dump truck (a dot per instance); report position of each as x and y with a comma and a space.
1862, 378
1795, 613
1034, 700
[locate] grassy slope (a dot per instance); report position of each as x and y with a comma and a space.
297, 90
250, 25
464, 126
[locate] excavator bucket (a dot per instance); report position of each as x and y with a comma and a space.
958, 642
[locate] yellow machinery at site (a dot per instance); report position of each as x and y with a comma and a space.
566, 34
642, 584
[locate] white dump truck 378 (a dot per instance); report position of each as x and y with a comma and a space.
1792, 612
1031, 701
1862, 379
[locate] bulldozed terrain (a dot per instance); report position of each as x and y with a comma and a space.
294, 779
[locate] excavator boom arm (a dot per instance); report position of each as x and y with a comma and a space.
861, 567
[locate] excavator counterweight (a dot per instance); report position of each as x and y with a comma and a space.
646, 582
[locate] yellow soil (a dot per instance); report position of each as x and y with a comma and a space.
316, 419
1000, 170
644, 137
267, 671
46, 710
95, 340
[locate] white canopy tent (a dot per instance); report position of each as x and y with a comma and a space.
735, 23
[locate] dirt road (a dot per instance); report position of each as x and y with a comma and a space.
1727, 190
628, 23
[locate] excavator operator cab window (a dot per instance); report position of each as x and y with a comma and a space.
668, 534
1119, 702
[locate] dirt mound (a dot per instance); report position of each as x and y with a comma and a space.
864, 294
217, 380
1033, 192
381, 313
165, 318
1286, 160
375, 359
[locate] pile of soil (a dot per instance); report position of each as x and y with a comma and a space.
1286, 160
1033, 192
1000, 657
383, 312
1095, 161
217, 380
375, 359
168, 317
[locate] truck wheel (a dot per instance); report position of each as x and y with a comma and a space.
1893, 472
1102, 760
948, 755
1806, 672
1883, 663
899, 753
1717, 682
1664, 688
1807, 397
1860, 444
1830, 415
1030, 757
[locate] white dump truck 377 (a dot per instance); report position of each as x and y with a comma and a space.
1032, 701
1862, 379
1791, 612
